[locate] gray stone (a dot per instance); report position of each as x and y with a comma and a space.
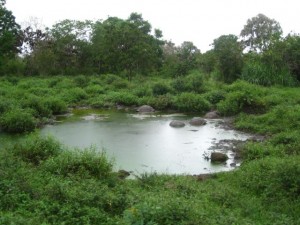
212, 115
218, 157
145, 109
197, 121
177, 123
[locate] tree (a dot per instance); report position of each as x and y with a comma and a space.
10, 36
228, 52
187, 54
126, 46
32, 35
10, 33
260, 32
207, 61
291, 54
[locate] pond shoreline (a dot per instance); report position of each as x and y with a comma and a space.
231, 148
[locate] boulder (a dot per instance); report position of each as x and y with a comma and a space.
197, 121
145, 109
212, 115
177, 123
218, 157
122, 174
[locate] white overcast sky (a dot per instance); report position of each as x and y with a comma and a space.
180, 20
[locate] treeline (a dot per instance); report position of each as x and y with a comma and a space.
127, 47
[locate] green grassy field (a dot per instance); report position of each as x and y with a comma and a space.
44, 182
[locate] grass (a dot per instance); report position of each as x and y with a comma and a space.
44, 182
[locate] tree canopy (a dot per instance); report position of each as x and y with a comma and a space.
259, 32
228, 53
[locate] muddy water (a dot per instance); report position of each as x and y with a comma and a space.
146, 143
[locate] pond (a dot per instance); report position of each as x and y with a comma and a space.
146, 142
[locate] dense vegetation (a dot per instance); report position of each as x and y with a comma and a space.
120, 62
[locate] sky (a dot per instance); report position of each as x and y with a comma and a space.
180, 20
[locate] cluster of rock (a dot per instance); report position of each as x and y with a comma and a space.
216, 157
196, 121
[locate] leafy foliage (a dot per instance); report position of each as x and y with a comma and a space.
228, 52
17, 121
259, 33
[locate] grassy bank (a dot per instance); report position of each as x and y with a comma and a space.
43, 182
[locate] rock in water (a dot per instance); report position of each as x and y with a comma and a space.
145, 109
177, 123
212, 115
218, 157
197, 121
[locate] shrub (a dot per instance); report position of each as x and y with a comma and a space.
123, 98
189, 102
17, 121
242, 96
37, 104
74, 95
253, 151
215, 96
56, 105
6, 104
95, 89
179, 85
195, 81
99, 102
40, 91
142, 91
160, 89
272, 177
36, 149
86, 162
161, 102
81, 81
191, 83
263, 74
120, 84
110, 78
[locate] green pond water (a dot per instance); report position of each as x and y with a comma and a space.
145, 143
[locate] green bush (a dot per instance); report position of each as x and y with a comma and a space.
56, 105
100, 102
142, 91
257, 72
161, 102
120, 84
85, 163
253, 151
6, 104
189, 102
215, 96
160, 89
74, 95
41, 91
17, 121
94, 89
280, 119
81, 81
272, 177
242, 96
38, 106
36, 149
123, 98
110, 78
193, 82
